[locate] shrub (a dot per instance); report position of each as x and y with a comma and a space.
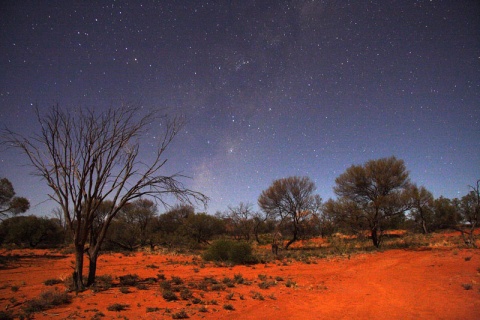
232, 251
290, 283
169, 295
228, 306
180, 315
102, 283
46, 300
124, 290
117, 307
467, 286
238, 278
51, 282
186, 294
153, 309
177, 280
129, 280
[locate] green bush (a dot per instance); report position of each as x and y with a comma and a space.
231, 251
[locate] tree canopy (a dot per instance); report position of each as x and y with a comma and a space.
378, 192
292, 201
9, 204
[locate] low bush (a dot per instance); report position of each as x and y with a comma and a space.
169, 295
230, 251
117, 307
180, 315
51, 282
47, 300
129, 280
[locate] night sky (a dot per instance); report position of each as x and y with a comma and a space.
270, 88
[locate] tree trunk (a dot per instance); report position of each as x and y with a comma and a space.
375, 237
424, 227
92, 268
78, 271
295, 232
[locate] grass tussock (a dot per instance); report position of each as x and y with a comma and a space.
47, 300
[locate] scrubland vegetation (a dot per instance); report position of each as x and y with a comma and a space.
107, 201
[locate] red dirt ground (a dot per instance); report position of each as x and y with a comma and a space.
393, 284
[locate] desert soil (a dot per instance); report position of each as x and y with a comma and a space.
394, 284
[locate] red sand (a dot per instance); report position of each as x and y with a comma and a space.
395, 284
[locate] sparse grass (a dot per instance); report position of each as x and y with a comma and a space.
203, 309
229, 296
218, 287
124, 290
129, 280
238, 278
186, 294
166, 285
290, 283
169, 295
47, 300
102, 283
117, 307
180, 315
141, 286
152, 309
257, 296
52, 282
177, 280
98, 315
152, 266
266, 284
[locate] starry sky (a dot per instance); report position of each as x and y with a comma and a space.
270, 89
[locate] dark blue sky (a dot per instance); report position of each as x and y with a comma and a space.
270, 88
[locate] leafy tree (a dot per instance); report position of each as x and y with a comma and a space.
422, 211
202, 227
168, 226
292, 201
468, 209
88, 157
375, 192
9, 204
132, 227
444, 213
31, 231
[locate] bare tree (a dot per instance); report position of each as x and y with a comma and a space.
241, 220
87, 157
292, 201
378, 190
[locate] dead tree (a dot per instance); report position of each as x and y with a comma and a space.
87, 157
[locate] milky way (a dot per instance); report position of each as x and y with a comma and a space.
270, 89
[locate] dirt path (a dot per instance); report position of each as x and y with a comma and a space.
396, 284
